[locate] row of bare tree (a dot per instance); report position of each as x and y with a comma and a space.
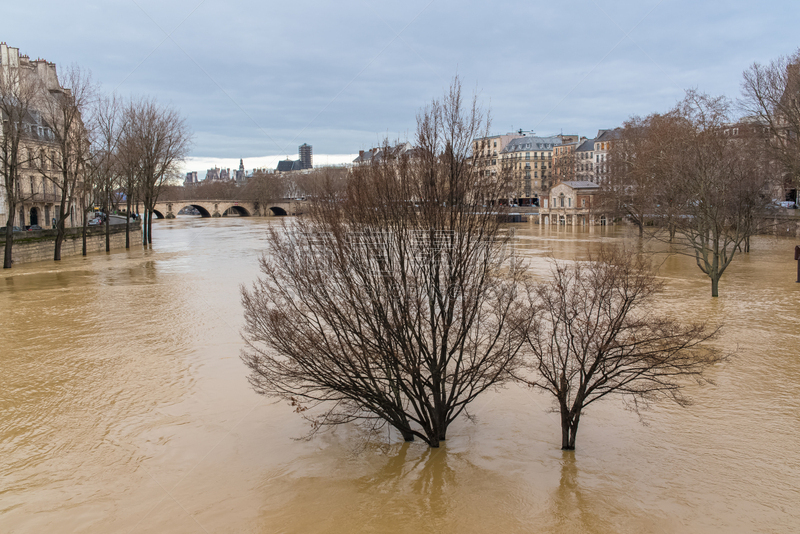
400, 300
93, 149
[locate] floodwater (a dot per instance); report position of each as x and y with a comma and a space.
124, 407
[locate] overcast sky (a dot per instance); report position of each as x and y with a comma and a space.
258, 79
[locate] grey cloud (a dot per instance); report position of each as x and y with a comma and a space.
262, 78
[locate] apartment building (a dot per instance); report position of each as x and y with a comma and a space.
528, 162
36, 192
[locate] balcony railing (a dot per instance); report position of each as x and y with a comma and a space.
38, 197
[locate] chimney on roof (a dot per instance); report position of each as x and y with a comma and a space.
361, 154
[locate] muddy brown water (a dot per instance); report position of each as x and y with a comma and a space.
124, 407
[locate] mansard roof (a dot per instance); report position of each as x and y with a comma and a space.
607, 135
532, 143
586, 146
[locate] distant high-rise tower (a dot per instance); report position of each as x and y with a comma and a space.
306, 157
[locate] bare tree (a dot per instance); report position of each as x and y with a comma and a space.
19, 91
594, 334
129, 167
721, 180
771, 94
63, 110
311, 183
696, 172
565, 162
103, 167
632, 179
396, 303
159, 139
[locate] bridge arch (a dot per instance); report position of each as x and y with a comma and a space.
203, 211
277, 211
240, 211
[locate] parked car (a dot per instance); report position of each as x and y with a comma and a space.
97, 221
34, 227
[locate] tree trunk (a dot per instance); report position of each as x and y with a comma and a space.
108, 222
85, 226
569, 427
59, 239
9, 241
144, 227
150, 227
714, 285
128, 221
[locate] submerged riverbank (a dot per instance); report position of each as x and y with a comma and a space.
38, 245
144, 421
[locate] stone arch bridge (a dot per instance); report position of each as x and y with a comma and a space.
168, 209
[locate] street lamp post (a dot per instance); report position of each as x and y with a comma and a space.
797, 257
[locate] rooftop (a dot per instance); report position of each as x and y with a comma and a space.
581, 184
532, 143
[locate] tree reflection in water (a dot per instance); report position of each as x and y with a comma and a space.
571, 508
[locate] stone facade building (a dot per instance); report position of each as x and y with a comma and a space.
486, 152
602, 145
572, 203
585, 160
38, 193
528, 164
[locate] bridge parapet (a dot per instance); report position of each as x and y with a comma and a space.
169, 209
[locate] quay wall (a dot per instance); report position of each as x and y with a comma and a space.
39, 245
786, 225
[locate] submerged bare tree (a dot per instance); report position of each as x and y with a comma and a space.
157, 139
720, 173
103, 169
697, 173
594, 334
642, 172
395, 301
